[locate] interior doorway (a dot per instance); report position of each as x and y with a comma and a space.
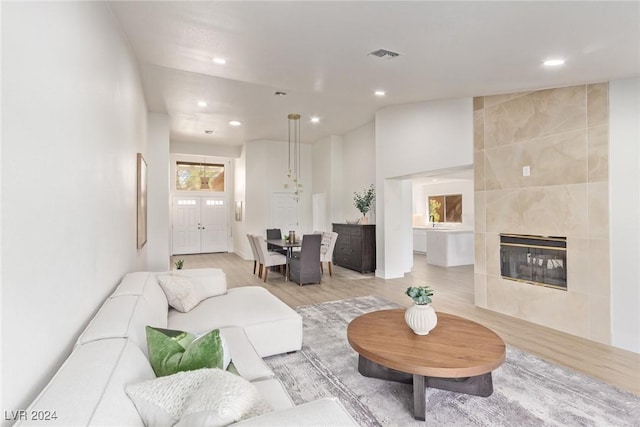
284, 212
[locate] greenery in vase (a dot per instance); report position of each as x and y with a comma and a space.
179, 264
434, 207
420, 294
364, 201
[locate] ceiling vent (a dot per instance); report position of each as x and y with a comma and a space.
384, 53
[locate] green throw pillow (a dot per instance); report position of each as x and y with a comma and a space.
175, 351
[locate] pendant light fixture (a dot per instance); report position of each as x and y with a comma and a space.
204, 179
294, 154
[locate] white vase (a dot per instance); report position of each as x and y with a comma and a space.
421, 318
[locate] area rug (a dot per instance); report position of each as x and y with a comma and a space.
528, 391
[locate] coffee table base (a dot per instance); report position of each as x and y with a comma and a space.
481, 385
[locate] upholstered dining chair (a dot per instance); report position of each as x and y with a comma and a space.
268, 258
256, 258
306, 267
327, 246
275, 234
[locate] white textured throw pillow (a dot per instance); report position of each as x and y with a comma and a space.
162, 401
181, 294
208, 282
210, 397
227, 399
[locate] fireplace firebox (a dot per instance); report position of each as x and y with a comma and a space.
538, 260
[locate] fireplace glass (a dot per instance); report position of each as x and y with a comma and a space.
538, 260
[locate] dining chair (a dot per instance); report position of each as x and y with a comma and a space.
256, 259
268, 258
327, 246
275, 234
306, 268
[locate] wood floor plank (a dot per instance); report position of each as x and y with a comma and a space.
454, 294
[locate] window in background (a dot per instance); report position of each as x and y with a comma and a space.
199, 176
447, 208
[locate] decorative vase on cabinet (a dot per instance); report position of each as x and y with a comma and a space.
421, 318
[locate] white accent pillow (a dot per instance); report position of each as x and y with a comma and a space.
227, 399
210, 396
181, 294
208, 282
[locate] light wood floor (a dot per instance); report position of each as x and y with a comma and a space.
453, 288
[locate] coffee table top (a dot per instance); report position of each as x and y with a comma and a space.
455, 348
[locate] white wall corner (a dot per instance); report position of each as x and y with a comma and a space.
159, 223
624, 208
204, 149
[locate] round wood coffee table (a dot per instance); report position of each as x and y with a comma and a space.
457, 355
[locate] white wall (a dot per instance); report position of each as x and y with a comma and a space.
624, 199
73, 119
1, 304
327, 178
200, 149
359, 168
238, 228
410, 139
159, 222
266, 173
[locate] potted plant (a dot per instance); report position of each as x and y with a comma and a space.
179, 264
364, 201
420, 316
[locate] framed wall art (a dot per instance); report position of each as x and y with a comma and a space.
141, 203
238, 211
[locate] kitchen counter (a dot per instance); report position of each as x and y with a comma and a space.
449, 247
420, 239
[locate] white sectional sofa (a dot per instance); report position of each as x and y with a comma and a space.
111, 353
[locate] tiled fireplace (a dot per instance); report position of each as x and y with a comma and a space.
562, 136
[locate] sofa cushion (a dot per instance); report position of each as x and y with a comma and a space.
142, 283
271, 325
125, 316
327, 412
274, 393
246, 360
201, 397
88, 389
172, 351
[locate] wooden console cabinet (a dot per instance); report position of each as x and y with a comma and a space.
356, 247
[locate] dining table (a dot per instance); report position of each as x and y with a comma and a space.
286, 244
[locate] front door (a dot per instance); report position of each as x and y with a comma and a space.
186, 225
215, 223
200, 225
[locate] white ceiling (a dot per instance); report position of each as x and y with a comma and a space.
317, 52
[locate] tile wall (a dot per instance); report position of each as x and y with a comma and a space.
562, 134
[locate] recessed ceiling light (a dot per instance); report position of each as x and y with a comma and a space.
235, 123
379, 93
202, 104
315, 119
553, 62
220, 61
